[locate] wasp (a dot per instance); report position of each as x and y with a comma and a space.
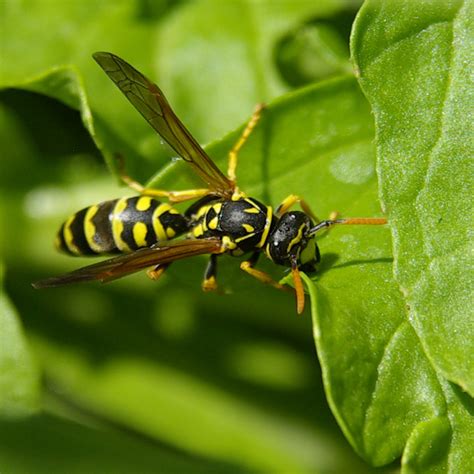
222, 220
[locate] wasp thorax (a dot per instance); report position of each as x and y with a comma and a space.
290, 240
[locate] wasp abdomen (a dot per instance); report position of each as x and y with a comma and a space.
120, 226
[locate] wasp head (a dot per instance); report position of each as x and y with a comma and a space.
291, 242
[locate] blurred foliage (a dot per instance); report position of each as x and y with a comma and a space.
155, 376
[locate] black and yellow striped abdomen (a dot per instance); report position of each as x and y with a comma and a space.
120, 226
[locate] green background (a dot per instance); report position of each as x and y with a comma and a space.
142, 376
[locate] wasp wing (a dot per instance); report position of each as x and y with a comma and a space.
149, 100
123, 265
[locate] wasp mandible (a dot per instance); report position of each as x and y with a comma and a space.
222, 220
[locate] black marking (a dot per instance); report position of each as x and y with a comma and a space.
210, 214
61, 241
78, 235
103, 236
177, 222
131, 215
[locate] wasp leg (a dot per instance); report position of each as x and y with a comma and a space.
172, 196
299, 289
233, 154
210, 283
290, 201
156, 272
248, 267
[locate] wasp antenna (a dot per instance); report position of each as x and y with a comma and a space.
363, 221
348, 221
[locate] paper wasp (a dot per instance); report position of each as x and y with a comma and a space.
223, 220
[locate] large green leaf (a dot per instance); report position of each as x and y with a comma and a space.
412, 58
413, 70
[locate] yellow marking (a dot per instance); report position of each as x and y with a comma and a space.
117, 225
252, 210
266, 230
202, 211
245, 237
69, 237
120, 206
298, 237
198, 230
213, 223
117, 229
165, 207
252, 203
157, 225
143, 203
170, 232
267, 252
248, 227
89, 228
172, 210
217, 207
209, 284
228, 244
139, 234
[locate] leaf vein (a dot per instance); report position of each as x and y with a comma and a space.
435, 145
394, 45
377, 371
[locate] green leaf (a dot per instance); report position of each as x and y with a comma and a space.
411, 59
425, 148
19, 375
46, 444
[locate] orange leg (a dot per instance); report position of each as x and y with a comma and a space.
156, 272
248, 267
290, 201
210, 282
233, 154
172, 196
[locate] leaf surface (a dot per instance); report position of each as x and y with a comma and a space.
411, 58
424, 141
